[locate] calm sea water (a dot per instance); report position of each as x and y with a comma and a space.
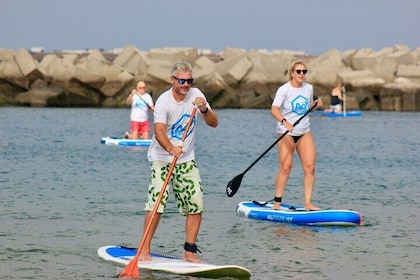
63, 195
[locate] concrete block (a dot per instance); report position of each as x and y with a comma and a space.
70, 59
202, 69
61, 72
174, 54
224, 66
6, 55
86, 76
348, 56
113, 86
363, 58
237, 72
122, 58
30, 67
348, 76
324, 68
229, 53
408, 71
10, 71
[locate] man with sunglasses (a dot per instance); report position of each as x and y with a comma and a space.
173, 111
292, 100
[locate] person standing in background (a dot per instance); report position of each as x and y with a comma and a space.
292, 100
140, 102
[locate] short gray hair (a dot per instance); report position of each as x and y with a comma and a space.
181, 67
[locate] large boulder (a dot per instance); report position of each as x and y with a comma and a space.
383, 64
41, 95
29, 67
58, 70
323, 69
173, 55
219, 93
6, 55
410, 72
132, 60
114, 77
10, 72
203, 69
401, 95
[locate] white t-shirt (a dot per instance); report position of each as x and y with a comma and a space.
293, 103
139, 108
175, 115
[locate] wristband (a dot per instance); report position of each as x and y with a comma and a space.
205, 111
282, 121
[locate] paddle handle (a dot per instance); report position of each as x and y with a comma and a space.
132, 270
279, 138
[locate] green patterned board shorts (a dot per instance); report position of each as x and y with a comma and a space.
186, 185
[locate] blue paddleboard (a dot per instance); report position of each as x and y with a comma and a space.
298, 215
355, 113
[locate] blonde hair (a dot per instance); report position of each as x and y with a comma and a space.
293, 65
181, 67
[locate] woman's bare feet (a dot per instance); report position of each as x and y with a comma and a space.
311, 207
276, 206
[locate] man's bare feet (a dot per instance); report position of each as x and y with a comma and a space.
191, 257
145, 257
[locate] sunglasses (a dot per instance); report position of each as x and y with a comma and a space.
182, 81
141, 87
301, 71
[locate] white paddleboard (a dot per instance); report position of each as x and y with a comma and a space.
173, 264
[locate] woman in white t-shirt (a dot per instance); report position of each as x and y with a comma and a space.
140, 102
292, 100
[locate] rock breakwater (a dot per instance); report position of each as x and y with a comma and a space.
387, 80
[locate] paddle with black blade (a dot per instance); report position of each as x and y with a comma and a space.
132, 268
234, 184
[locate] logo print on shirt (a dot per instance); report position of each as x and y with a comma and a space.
140, 104
300, 105
179, 127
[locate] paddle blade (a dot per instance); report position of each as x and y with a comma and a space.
233, 185
131, 271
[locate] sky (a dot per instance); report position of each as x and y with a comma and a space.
310, 26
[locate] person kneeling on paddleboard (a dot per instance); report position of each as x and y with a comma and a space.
173, 141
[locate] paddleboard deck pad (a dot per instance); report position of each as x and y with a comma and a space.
298, 215
125, 142
355, 113
173, 264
